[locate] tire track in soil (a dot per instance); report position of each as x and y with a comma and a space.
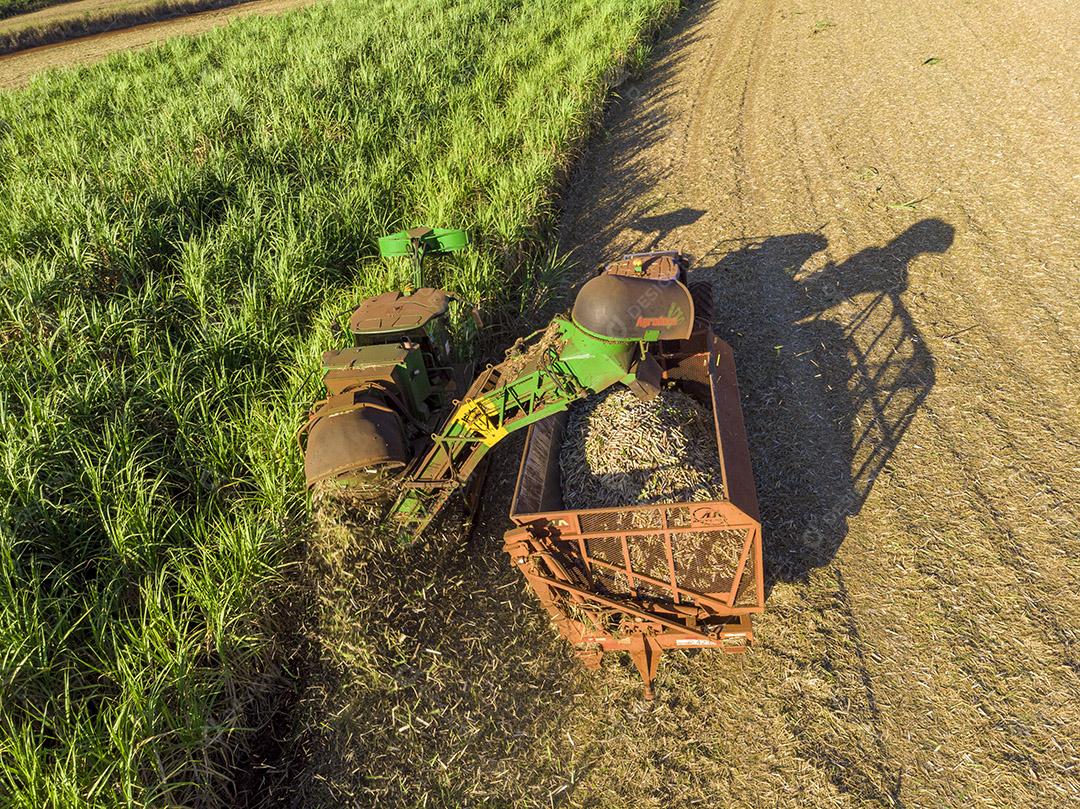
915, 485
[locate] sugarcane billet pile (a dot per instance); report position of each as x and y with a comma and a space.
618, 451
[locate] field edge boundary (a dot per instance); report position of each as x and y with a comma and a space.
76, 28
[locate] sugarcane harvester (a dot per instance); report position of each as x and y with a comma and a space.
400, 417
391, 420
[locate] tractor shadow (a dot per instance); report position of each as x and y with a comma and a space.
832, 369
616, 173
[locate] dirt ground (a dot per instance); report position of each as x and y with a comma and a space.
17, 69
885, 198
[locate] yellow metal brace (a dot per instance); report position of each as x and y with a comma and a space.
480, 417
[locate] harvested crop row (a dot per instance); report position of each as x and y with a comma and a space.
9, 8
183, 226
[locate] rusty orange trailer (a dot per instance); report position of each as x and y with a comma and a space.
646, 578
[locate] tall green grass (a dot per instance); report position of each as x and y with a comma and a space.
181, 228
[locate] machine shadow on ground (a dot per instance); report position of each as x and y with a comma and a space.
832, 369
612, 176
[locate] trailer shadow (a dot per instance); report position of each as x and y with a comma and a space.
832, 369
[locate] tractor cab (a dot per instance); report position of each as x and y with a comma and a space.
384, 392
396, 337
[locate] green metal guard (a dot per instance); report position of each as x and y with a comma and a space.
419, 242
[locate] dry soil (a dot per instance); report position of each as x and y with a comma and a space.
17, 69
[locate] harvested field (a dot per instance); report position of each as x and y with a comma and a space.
885, 200
618, 450
19, 68
87, 17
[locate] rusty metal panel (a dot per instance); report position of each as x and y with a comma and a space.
662, 266
395, 311
731, 431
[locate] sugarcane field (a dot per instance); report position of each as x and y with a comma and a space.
600, 404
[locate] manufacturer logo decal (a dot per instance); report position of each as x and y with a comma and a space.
709, 514
656, 322
674, 317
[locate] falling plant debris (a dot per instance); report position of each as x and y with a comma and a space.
619, 450
530, 351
